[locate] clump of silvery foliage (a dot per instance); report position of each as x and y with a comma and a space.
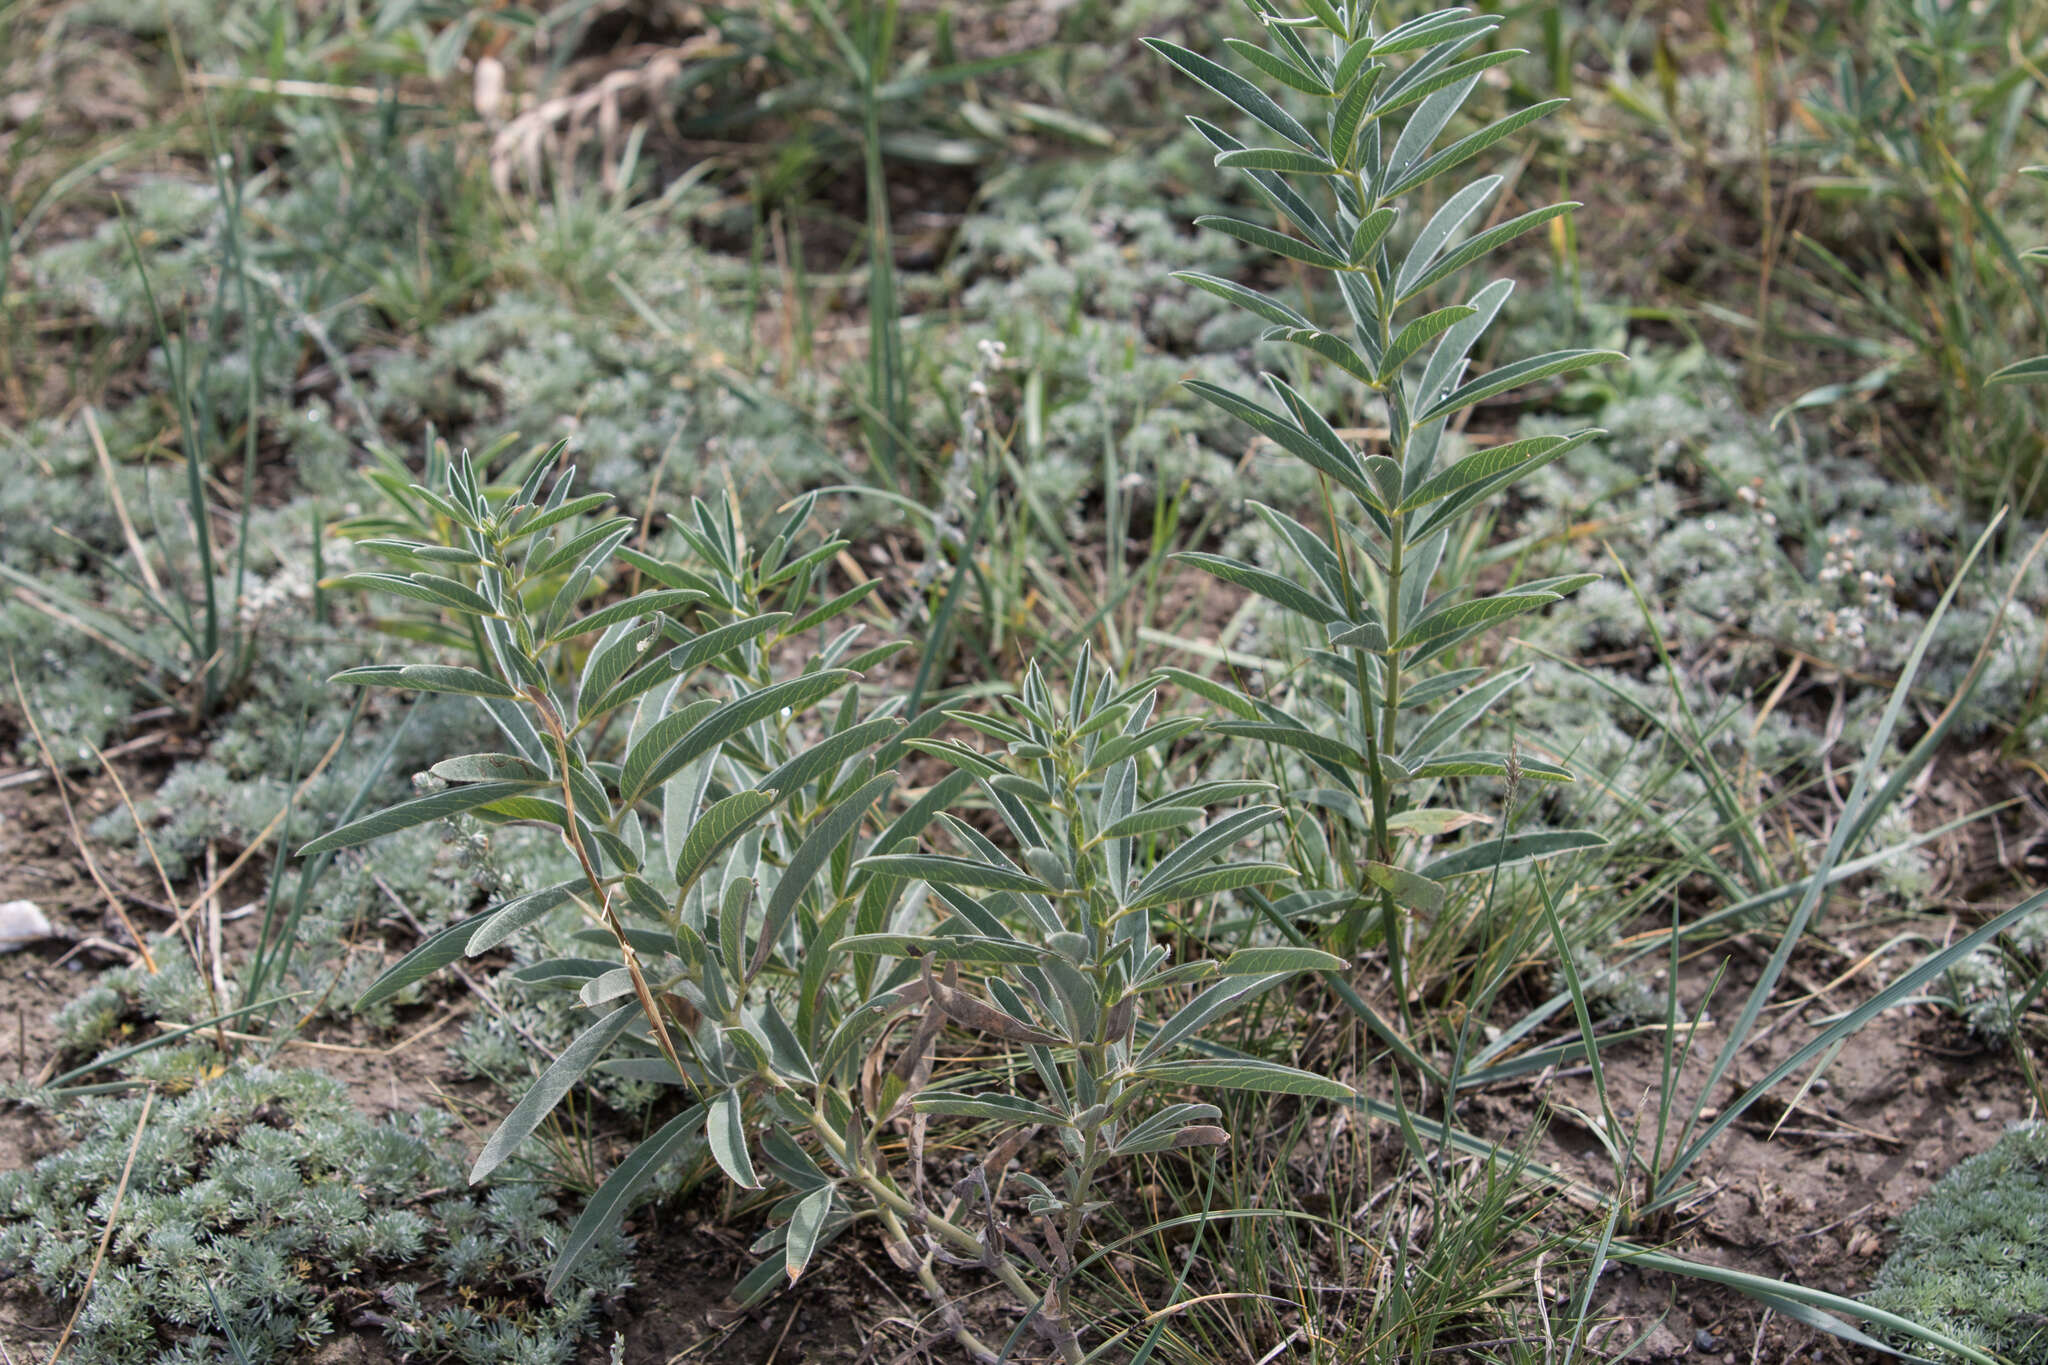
262, 1206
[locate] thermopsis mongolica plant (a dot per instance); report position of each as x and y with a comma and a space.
781, 930
1353, 178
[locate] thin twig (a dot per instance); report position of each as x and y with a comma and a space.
71, 817
99, 449
107, 1235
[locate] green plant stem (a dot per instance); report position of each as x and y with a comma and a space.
892, 1206
893, 1228
599, 889
1383, 800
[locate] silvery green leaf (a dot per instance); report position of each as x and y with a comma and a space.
1279, 243
1266, 584
431, 954
1488, 764
725, 722
1411, 892
1269, 1078
725, 1127
1469, 146
1283, 958
488, 768
1478, 245
804, 1227
427, 678
1251, 300
991, 1105
1510, 850
603, 1210
1239, 92
553, 1083
654, 602
950, 870
418, 811
1209, 881
1337, 460
1484, 610
1279, 68
1438, 231
515, 914
715, 830
810, 857
1514, 376
432, 589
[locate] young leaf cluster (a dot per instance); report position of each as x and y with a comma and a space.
1350, 175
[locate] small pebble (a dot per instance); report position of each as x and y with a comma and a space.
1705, 1342
22, 923
1982, 1113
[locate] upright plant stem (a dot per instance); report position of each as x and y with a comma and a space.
1383, 800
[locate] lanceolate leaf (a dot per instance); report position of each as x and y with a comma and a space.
1447, 220
1241, 93
805, 1226
946, 869
722, 724
658, 601
1515, 848
725, 1126
1418, 334
1481, 244
1270, 586
1251, 300
1278, 159
1411, 892
488, 768
1372, 230
1189, 1020
1209, 881
1279, 68
1285, 958
424, 587
515, 914
1334, 349
715, 643
1310, 742
604, 1209
992, 1105
1152, 820
541, 1098
1514, 376
1446, 725
1279, 243
824, 839
1460, 615
1519, 457
1339, 463
2030, 371
1441, 26
830, 753
715, 830
1490, 765
418, 811
1269, 1078
1465, 148
427, 678
431, 954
